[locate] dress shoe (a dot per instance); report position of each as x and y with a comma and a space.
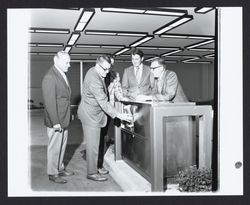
102, 171
65, 173
57, 179
96, 177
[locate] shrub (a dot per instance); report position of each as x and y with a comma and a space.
194, 180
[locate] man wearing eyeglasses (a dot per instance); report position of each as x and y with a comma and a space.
93, 111
137, 79
166, 85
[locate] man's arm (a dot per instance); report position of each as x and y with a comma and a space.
49, 95
171, 88
125, 83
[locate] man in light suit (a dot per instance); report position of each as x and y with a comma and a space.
166, 85
93, 111
137, 79
56, 93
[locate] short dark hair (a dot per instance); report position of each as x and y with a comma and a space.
102, 58
137, 51
161, 61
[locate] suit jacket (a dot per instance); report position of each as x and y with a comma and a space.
169, 88
94, 105
131, 88
56, 94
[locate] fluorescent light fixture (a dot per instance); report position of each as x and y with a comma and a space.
209, 55
84, 19
200, 62
123, 10
46, 54
46, 44
202, 49
182, 56
156, 11
49, 30
157, 48
98, 46
86, 46
125, 55
152, 58
33, 53
80, 54
112, 47
73, 38
141, 41
171, 61
131, 34
122, 51
67, 49
200, 44
88, 32
186, 36
172, 52
190, 59
165, 13
177, 22
114, 33
203, 10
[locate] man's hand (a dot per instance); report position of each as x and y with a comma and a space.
125, 117
57, 128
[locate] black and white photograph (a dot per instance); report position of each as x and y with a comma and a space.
124, 101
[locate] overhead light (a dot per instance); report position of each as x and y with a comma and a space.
33, 53
46, 44
158, 11
125, 55
209, 55
182, 56
171, 61
141, 41
200, 44
152, 58
98, 46
186, 36
49, 30
115, 33
122, 51
200, 62
67, 49
201, 49
124, 10
172, 52
84, 19
73, 38
157, 48
177, 22
46, 54
191, 59
203, 10
80, 54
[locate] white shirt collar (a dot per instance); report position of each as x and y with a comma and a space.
140, 66
60, 71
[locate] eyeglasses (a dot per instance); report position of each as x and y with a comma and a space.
105, 69
153, 68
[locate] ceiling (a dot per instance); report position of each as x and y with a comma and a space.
200, 24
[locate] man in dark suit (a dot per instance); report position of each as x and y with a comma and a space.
137, 79
93, 111
56, 93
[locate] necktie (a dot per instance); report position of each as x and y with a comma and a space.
156, 89
137, 75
